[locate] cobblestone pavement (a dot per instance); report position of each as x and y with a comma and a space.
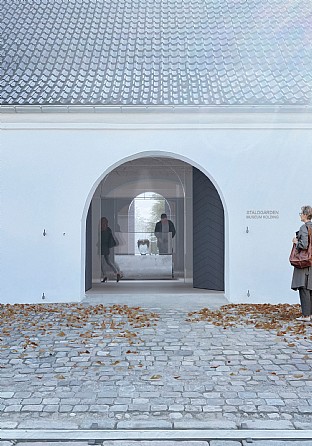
166, 443
70, 372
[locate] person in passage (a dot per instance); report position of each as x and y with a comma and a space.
302, 278
162, 230
107, 242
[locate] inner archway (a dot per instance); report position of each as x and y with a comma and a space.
191, 201
145, 210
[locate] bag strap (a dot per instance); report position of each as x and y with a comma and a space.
308, 228
309, 233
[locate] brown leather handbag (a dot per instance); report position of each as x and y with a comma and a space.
302, 258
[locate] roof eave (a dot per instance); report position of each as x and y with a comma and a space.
155, 108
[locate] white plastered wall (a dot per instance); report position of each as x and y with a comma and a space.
52, 164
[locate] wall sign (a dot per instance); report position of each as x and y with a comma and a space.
263, 214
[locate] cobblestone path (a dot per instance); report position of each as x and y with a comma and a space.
166, 443
59, 371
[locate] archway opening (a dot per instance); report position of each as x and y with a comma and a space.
145, 210
132, 197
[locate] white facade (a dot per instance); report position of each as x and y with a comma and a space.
52, 165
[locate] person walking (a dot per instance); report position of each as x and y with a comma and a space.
162, 230
302, 278
107, 242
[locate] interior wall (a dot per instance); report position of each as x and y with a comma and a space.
188, 233
96, 217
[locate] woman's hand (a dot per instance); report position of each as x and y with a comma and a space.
295, 240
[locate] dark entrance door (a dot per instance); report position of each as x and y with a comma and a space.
208, 234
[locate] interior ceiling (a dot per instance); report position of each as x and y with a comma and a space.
154, 165
165, 176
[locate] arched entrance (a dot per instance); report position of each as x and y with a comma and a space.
145, 210
195, 209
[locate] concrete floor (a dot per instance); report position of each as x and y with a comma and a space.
154, 294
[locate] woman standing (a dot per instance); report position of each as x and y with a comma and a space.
302, 278
107, 242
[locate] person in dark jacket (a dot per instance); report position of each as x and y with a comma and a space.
107, 242
162, 230
302, 278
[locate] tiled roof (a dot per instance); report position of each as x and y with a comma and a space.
156, 52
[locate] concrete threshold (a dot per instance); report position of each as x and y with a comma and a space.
154, 294
160, 302
153, 434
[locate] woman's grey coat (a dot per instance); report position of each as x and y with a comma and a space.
302, 277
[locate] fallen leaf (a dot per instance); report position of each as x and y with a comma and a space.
156, 377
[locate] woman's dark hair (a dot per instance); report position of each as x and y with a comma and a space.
307, 210
104, 223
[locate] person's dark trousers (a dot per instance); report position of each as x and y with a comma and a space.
106, 258
306, 301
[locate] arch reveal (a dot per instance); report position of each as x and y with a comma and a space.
196, 209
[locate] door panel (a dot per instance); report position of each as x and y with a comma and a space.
208, 234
